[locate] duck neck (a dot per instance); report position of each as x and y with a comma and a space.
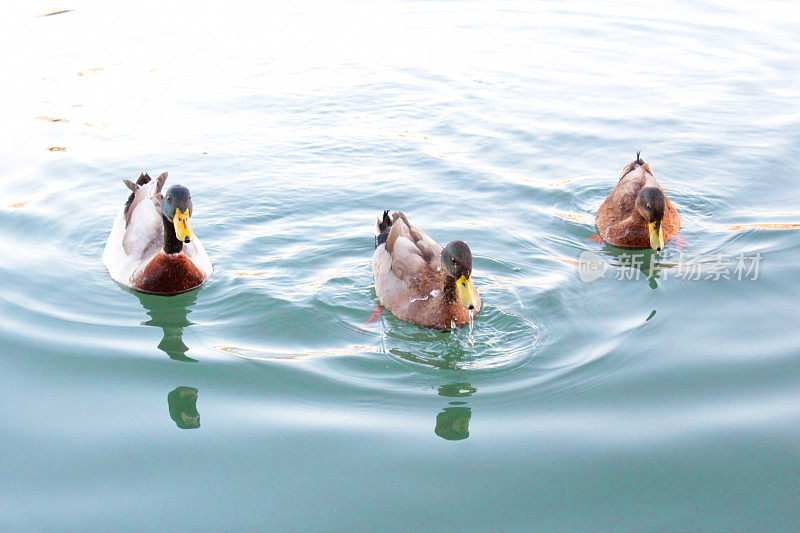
171, 243
449, 292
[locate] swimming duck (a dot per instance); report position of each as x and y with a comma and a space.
637, 213
419, 281
152, 247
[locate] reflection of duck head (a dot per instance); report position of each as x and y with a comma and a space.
170, 314
645, 261
452, 423
183, 407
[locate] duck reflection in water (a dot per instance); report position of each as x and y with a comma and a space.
636, 265
183, 407
452, 423
170, 313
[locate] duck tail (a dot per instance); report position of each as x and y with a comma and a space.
143, 179
382, 227
160, 182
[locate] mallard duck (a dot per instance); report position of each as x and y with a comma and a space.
637, 213
151, 247
419, 281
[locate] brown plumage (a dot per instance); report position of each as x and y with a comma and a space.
417, 280
636, 201
168, 274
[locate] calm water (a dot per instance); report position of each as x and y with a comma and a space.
643, 400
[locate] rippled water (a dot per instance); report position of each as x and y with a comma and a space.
641, 400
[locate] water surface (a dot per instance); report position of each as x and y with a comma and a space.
641, 400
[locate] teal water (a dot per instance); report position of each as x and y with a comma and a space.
656, 401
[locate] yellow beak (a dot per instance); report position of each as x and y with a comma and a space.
656, 237
466, 292
183, 230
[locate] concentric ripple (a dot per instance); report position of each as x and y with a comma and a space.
497, 340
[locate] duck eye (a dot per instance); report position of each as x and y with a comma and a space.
169, 199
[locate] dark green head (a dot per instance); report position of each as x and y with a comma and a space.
651, 204
176, 206
176, 197
457, 259
457, 263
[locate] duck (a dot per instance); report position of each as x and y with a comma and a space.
637, 214
420, 282
152, 247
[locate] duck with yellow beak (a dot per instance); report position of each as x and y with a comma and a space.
152, 247
419, 281
637, 214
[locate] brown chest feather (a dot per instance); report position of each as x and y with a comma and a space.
169, 274
433, 312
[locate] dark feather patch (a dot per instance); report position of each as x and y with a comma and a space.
383, 227
144, 179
